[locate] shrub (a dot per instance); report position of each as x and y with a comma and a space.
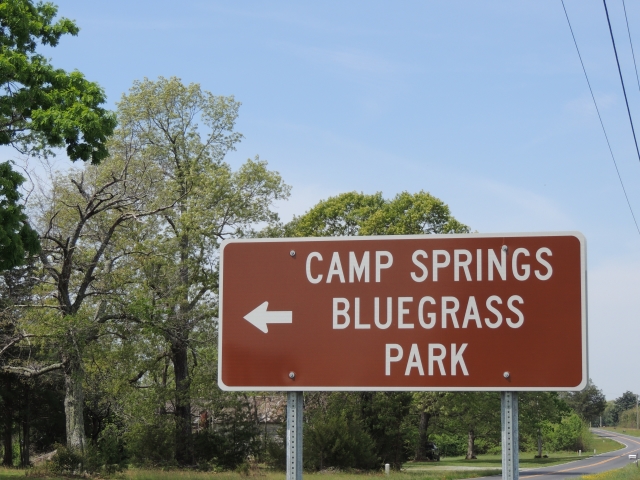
66, 461
151, 444
628, 418
571, 434
338, 441
450, 445
107, 455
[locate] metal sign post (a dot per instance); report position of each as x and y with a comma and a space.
510, 448
294, 435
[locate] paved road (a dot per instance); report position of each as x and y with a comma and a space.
588, 466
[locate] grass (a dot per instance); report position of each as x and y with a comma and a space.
634, 432
630, 472
156, 474
10, 473
485, 465
602, 445
435, 475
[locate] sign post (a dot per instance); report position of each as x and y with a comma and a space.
294, 435
510, 447
473, 312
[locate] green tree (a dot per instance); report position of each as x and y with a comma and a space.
355, 213
588, 403
384, 415
427, 407
625, 402
188, 132
610, 414
17, 238
80, 219
475, 413
42, 107
537, 409
570, 434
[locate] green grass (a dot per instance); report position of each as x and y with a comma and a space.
156, 474
495, 461
10, 473
602, 445
630, 472
485, 465
421, 475
634, 432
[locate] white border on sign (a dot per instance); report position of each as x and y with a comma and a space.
583, 280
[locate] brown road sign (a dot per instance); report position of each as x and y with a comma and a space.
423, 312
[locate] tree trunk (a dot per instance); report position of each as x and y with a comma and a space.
25, 461
74, 403
539, 443
421, 448
7, 459
184, 441
471, 445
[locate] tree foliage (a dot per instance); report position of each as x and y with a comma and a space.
42, 107
187, 132
627, 401
128, 269
588, 403
362, 214
17, 238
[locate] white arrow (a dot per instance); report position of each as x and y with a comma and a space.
259, 317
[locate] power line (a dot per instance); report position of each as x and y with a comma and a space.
631, 43
624, 90
600, 118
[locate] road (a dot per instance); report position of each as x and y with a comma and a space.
591, 465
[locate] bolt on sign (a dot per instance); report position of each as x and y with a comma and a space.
420, 312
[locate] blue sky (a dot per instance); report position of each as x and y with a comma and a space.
483, 104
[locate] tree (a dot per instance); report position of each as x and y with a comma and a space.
625, 402
537, 409
80, 219
17, 238
476, 413
610, 414
588, 403
178, 273
43, 107
427, 406
355, 213
15, 289
383, 414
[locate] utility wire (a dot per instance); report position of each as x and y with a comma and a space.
600, 117
631, 43
626, 100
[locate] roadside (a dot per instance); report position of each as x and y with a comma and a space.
494, 462
634, 432
158, 474
630, 472
450, 468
